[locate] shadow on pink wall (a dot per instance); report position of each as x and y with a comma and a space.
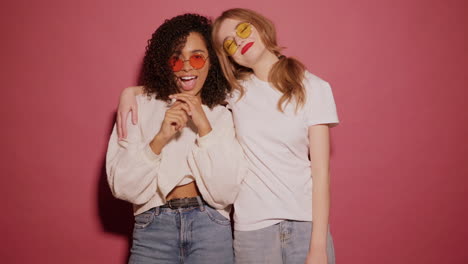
115, 216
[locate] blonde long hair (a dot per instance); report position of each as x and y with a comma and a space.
286, 75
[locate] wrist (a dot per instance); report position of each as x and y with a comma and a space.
161, 138
129, 91
317, 247
204, 127
158, 143
136, 91
204, 130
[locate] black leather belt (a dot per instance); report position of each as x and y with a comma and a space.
181, 203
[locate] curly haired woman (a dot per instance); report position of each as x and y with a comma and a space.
181, 165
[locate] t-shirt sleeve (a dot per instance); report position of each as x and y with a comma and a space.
320, 106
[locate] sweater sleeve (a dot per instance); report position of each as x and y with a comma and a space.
218, 164
132, 166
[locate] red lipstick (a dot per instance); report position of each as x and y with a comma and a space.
246, 47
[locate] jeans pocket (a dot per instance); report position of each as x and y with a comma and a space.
216, 217
144, 219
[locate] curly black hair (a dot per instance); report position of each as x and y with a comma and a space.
157, 76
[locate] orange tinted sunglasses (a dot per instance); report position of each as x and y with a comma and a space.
197, 61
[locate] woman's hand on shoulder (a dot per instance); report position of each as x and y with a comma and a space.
127, 104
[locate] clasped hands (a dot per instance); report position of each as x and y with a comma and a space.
176, 117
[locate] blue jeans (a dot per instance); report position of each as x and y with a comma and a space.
191, 235
284, 243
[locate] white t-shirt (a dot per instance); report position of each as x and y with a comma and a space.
278, 185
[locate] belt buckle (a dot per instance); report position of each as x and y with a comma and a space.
178, 203
169, 204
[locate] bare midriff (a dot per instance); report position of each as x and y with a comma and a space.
183, 191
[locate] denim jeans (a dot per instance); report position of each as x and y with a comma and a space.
193, 235
284, 243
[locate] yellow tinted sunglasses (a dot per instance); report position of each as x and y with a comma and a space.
243, 30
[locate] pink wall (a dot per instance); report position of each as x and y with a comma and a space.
398, 69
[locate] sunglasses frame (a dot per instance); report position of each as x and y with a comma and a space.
183, 62
234, 41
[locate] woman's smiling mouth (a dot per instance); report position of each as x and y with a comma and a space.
187, 82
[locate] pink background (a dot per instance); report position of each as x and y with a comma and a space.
399, 73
